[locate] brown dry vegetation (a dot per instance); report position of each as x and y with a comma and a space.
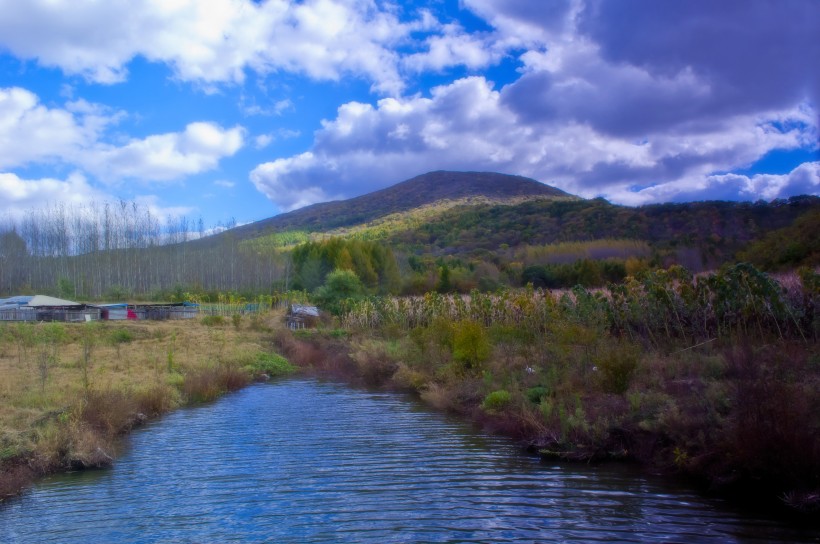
739, 416
70, 391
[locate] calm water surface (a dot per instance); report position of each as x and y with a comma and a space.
308, 461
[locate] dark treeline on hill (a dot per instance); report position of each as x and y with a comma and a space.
592, 242
795, 245
718, 229
442, 231
118, 251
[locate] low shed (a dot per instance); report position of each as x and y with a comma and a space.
160, 312
57, 309
114, 312
301, 316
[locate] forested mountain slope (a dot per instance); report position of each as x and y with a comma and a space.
405, 196
716, 229
472, 213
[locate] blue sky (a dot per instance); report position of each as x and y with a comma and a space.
239, 109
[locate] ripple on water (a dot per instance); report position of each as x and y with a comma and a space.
307, 461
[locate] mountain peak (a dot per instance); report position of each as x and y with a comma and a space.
422, 190
447, 184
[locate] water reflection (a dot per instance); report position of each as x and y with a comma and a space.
305, 461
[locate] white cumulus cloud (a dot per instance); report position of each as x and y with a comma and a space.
20, 195
30, 131
455, 47
215, 41
164, 157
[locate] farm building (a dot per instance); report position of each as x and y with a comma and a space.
300, 316
44, 308
114, 312
154, 312
160, 312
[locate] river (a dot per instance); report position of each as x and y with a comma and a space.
301, 460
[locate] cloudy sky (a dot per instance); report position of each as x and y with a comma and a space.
244, 109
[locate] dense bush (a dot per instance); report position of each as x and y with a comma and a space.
496, 401
213, 320
471, 346
341, 288
209, 383
616, 365
272, 364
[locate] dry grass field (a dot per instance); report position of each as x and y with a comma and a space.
68, 392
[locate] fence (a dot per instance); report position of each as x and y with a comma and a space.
50, 314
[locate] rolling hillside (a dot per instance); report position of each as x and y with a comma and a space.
420, 191
705, 234
479, 216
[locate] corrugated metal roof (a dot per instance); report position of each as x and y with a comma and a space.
42, 300
18, 300
301, 309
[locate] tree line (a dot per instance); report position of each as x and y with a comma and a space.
122, 249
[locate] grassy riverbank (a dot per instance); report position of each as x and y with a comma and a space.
71, 391
719, 381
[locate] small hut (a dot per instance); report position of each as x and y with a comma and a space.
301, 316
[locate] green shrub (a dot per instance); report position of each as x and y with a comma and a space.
236, 319
340, 287
616, 366
438, 334
121, 336
510, 334
175, 379
470, 344
547, 408
497, 401
213, 320
409, 379
8, 452
535, 394
272, 364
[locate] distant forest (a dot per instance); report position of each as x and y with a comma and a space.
122, 250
